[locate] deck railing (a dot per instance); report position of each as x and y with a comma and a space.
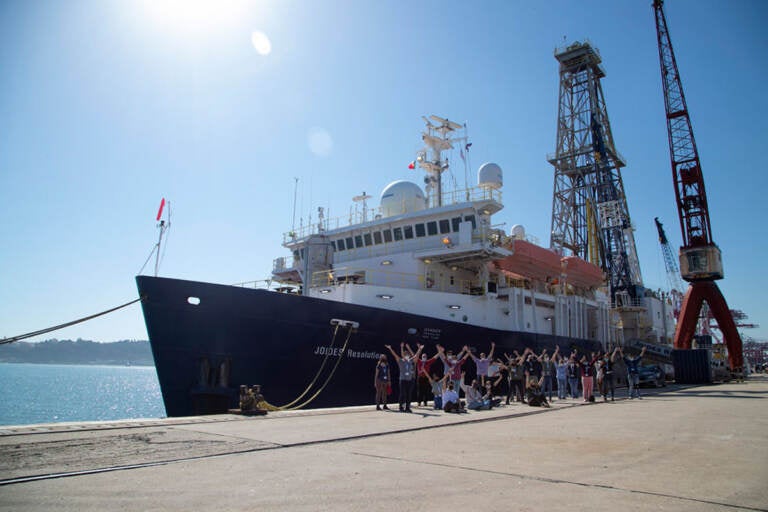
358, 215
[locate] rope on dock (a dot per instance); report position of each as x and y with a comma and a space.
291, 406
5, 341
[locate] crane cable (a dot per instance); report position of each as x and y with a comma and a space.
290, 406
5, 341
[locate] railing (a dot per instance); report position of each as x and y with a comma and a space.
379, 277
358, 216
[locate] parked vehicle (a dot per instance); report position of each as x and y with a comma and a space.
653, 375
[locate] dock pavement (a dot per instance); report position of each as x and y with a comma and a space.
680, 448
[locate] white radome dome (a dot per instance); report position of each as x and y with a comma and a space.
490, 176
402, 197
518, 232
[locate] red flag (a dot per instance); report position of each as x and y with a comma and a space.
160, 211
412, 165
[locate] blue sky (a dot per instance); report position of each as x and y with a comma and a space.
108, 106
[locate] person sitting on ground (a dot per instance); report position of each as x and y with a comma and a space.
488, 397
534, 394
473, 394
451, 402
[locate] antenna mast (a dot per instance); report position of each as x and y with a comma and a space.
437, 139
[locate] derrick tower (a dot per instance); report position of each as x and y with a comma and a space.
590, 217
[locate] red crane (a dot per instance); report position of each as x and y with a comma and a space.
700, 261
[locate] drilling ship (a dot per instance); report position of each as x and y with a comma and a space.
427, 266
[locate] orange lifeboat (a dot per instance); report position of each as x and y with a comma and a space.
581, 273
530, 261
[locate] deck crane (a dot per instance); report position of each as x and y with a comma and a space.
700, 259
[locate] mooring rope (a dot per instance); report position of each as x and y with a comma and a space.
291, 407
5, 341
317, 375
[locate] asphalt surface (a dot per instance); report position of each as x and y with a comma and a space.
680, 448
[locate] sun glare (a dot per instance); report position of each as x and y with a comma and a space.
261, 43
196, 15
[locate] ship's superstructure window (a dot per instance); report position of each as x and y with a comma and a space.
396, 234
296, 255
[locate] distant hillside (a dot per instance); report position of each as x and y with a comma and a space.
78, 352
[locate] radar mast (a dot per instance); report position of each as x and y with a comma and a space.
437, 138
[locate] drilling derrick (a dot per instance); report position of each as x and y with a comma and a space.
590, 217
700, 261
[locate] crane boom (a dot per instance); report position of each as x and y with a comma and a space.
673, 272
700, 260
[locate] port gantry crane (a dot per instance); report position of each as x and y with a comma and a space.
700, 260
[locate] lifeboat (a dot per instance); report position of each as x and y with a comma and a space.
581, 273
530, 261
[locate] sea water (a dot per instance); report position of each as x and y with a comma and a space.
52, 393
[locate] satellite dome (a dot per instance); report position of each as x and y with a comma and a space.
489, 176
402, 197
518, 232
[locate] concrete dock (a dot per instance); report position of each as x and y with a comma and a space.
694, 448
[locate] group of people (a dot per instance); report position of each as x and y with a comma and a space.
526, 378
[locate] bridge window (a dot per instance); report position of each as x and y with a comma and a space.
367, 239
377, 237
398, 233
358, 241
432, 228
387, 235
420, 231
455, 224
471, 218
340, 244
408, 231
445, 226
350, 244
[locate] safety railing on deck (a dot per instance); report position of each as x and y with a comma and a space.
359, 215
379, 277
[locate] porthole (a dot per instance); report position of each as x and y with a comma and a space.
195, 301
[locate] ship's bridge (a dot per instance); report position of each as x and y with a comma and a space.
484, 199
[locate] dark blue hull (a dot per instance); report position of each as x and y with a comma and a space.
204, 352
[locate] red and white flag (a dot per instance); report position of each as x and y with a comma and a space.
412, 165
